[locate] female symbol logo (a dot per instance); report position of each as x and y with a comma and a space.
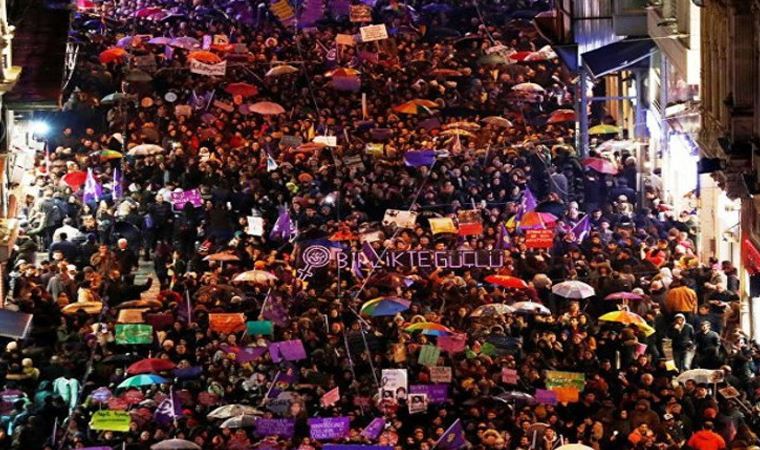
313, 257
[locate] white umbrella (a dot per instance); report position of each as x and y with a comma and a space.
235, 409
701, 376
145, 150
239, 422
530, 308
528, 87
574, 447
573, 289
492, 309
175, 444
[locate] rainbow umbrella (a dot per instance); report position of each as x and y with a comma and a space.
110, 154
429, 328
628, 318
384, 306
142, 380
533, 220
507, 281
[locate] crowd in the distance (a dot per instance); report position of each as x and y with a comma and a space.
146, 127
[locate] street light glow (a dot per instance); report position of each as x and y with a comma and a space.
39, 128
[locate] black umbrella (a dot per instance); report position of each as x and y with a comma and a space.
555, 208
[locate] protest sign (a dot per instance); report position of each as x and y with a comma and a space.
470, 229
260, 327
418, 403
440, 374
255, 226
372, 33
360, 13
546, 397
292, 350
436, 393
192, 196
105, 420
324, 428
558, 379
131, 315
345, 39
373, 430
402, 219
453, 343
330, 141
275, 427
442, 225
330, 398
729, 392
508, 376
567, 394
539, 238
211, 70
395, 381
227, 322
375, 149
429, 355
283, 11
224, 106
133, 333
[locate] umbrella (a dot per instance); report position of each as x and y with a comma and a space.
573, 289
185, 42
266, 108
445, 73
343, 72
493, 59
412, 108
384, 306
75, 179
429, 328
241, 421
232, 410
615, 145
498, 121
530, 308
603, 129
701, 376
241, 89
115, 97
561, 115
148, 12
471, 126
255, 276
160, 40
138, 76
493, 309
574, 447
150, 365
125, 41
507, 281
528, 87
457, 132
175, 444
134, 304
533, 220
145, 150
216, 290
601, 165
122, 358
282, 69
110, 154
205, 57
88, 307
112, 54
142, 380
515, 396
623, 296
628, 318
222, 257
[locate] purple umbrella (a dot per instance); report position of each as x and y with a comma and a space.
160, 40
125, 41
349, 84
185, 42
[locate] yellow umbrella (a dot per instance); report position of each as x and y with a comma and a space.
457, 132
498, 121
87, 307
471, 126
283, 69
603, 129
628, 318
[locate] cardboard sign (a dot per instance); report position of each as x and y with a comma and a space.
132, 333
429, 355
345, 39
393, 381
440, 374
210, 70
539, 238
255, 226
193, 196
325, 428
360, 13
105, 420
418, 403
508, 376
402, 219
372, 33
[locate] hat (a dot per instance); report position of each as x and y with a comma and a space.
679, 316
667, 416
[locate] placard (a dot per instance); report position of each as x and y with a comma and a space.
192, 196
132, 333
440, 374
453, 343
255, 226
211, 70
105, 420
508, 376
360, 13
325, 428
442, 225
539, 238
292, 350
224, 106
418, 403
393, 383
429, 355
345, 39
226, 322
260, 327
275, 427
436, 393
372, 33
330, 141
402, 219
556, 378
546, 397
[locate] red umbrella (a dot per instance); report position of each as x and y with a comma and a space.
507, 281
149, 365
533, 220
601, 165
112, 54
561, 115
520, 56
148, 12
623, 296
241, 89
75, 180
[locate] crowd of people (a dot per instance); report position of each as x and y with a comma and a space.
462, 112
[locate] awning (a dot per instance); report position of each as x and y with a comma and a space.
14, 324
568, 54
617, 56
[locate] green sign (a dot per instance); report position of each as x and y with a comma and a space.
260, 327
105, 420
557, 379
134, 333
429, 355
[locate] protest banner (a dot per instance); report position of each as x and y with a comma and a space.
436, 393
260, 327
105, 420
429, 355
470, 229
418, 403
292, 350
325, 428
401, 218
360, 13
211, 70
226, 322
133, 333
275, 427
442, 225
440, 374
539, 238
555, 378
372, 33
180, 198
508, 376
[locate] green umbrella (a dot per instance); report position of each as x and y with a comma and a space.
142, 380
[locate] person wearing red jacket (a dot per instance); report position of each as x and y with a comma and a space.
707, 439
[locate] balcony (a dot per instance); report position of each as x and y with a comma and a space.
630, 18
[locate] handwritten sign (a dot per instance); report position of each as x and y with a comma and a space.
210, 70
372, 33
105, 420
324, 428
440, 374
539, 238
193, 196
360, 13
429, 355
345, 39
275, 427
508, 376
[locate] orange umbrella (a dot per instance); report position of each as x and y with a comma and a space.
343, 72
222, 257
205, 57
266, 108
343, 235
112, 54
507, 281
424, 102
561, 115
241, 89
446, 73
411, 108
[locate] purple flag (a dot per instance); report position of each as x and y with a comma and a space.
292, 350
357, 270
283, 228
503, 242
369, 253
453, 438
418, 158
581, 229
168, 410
275, 310
93, 191
373, 430
282, 382
118, 184
529, 201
